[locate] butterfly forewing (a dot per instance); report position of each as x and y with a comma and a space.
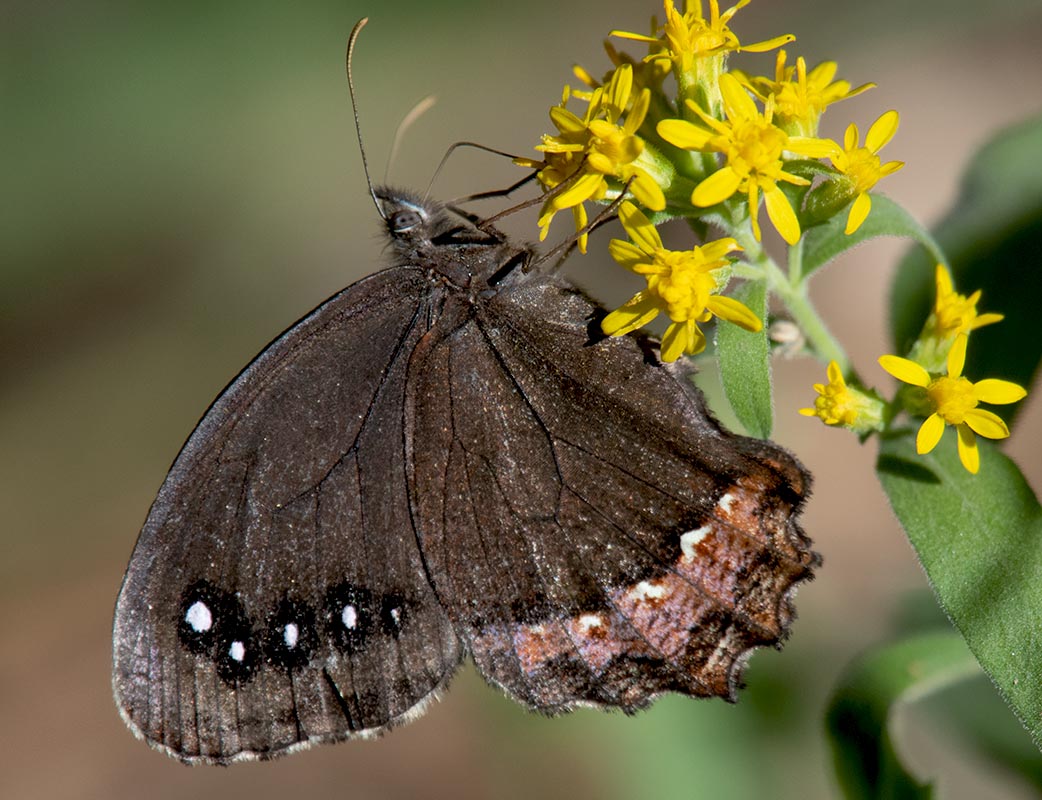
277, 594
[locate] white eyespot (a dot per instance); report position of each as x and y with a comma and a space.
199, 617
349, 616
691, 538
290, 635
396, 615
646, 590
588, 621
237, 651
725, 502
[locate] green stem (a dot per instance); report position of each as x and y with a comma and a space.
794, 297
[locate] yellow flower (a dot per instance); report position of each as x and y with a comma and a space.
646, 73
689, 38
954, 313
681, 284
954, 400
586, 151
753, 147
839, 404
861, 165
800, 98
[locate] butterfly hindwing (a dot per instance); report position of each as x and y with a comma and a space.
597, 538
277, 595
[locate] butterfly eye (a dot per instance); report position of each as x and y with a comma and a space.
402, 221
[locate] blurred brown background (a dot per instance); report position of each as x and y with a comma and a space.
181, 182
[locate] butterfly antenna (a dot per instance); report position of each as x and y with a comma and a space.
414, 114
354, 108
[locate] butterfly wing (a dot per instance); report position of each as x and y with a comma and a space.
596, 537
277, 596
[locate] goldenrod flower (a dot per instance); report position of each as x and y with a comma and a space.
839, 404
697, 46
587, 151
681, 284
954, 313
861, 165
800, 98
954, 400
753, 147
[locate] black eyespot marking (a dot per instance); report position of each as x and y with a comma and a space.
393, 614
402, 221
213, 623
203, 609
349, 616
290, 635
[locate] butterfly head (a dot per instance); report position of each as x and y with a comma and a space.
449, 241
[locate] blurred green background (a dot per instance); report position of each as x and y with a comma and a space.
181, 182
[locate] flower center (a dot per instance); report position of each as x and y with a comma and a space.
755, 146
952, 397
611, 146
955, 314
863, 168
682, 286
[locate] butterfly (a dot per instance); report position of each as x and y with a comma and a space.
447, 459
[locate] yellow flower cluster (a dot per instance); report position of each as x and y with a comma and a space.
940, 393
711, 146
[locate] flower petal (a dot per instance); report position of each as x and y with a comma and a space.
858, 212
969, 455
734, 311
639, 228
996, 392
674, 342
627, 253
882, 131
905, 370
579, 214
835, 374
718, 249
770, 44
943, 279
985, 319
737, 102
647, 191
780, 211
635, 313
716, 188
638, 111
565, 121
986, 424
957, 356
683, 134
850, 137
929, 434
583, 189
811, 147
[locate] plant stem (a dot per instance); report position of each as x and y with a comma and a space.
795, 299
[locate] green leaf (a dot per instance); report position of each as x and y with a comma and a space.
744, 362
975, 714
992, 237
979, 538
857, 720
824, 242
